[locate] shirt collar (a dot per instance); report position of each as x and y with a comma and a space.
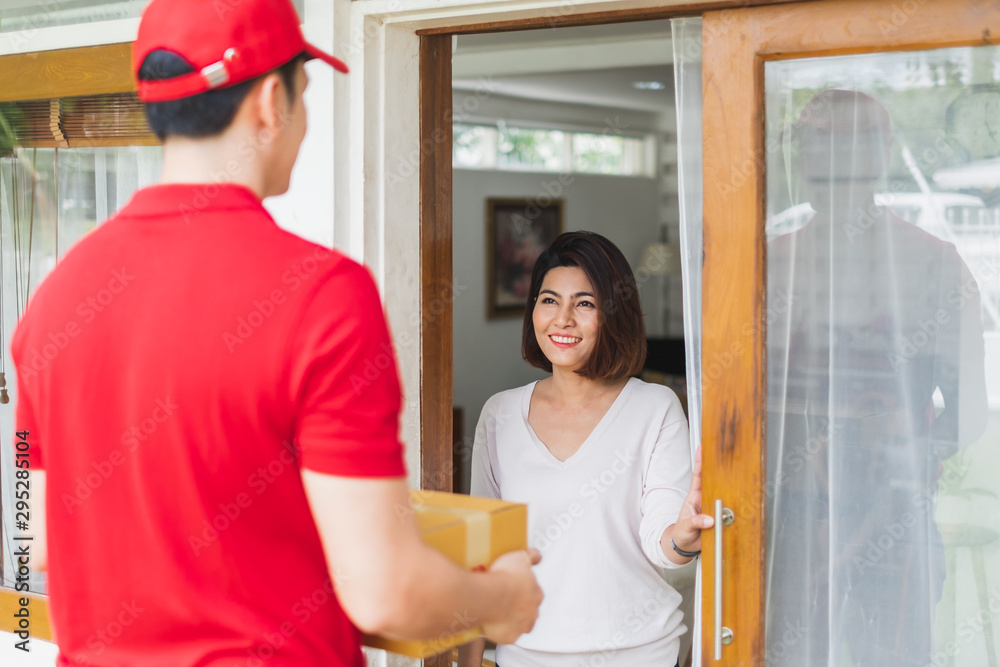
188, 200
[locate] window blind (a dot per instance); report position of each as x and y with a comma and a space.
75, 122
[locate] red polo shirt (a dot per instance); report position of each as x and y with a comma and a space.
176, 371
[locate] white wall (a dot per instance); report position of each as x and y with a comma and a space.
42, 654
487, 353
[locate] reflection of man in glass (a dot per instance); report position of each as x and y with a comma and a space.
875, 318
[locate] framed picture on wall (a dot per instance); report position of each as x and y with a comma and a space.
518, 230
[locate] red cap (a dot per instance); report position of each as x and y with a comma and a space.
227, 42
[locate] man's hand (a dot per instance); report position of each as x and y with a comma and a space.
522, 599
390, 583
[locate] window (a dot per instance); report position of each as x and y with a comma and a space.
513, 148
66, 164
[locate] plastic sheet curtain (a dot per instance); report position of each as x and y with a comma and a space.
49, 199
687, 84
883, 351
883, 316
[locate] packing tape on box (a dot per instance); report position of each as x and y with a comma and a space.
477, 525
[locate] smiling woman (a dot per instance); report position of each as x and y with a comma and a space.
589, 270
602, 461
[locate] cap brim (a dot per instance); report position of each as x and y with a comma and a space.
318, 54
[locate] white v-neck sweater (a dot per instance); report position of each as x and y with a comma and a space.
597, 518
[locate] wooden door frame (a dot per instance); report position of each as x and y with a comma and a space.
735, 266
435, 205
436, 271
436, 266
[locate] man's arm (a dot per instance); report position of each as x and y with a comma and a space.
390, 583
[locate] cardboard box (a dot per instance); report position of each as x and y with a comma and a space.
471, 532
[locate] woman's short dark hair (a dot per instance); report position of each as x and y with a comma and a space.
204, 115
620, 348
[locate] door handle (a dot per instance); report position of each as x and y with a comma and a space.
723, 635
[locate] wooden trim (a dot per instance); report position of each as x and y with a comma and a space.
435, 264
436, 288
485, 663
733, 379
597, 18
736, 43
38, 607
109, 142
865, 26
92, 70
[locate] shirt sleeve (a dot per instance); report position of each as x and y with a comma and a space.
666, 483
345, 381
484, 483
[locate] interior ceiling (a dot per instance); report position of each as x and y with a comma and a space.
605, 87
594, 83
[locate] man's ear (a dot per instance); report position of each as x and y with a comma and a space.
272, 104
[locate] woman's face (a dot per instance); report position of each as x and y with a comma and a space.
565, 317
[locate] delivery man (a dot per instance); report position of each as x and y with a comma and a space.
220, 487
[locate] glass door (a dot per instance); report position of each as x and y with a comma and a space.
851, 355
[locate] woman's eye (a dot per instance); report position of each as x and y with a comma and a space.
585, 304
548, 299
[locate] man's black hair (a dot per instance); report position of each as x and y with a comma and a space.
204, 115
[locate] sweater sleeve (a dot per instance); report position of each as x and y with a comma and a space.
666, 482
484, 482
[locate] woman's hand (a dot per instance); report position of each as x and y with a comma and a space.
686, 533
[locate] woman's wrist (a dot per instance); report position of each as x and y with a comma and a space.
686, 553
